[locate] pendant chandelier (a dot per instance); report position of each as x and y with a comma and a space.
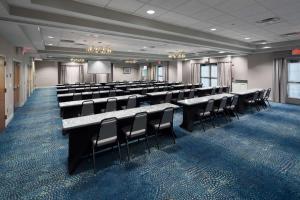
130, 61
99, 50
177, 55
77, 60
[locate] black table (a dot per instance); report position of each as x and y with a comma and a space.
191, 107
86, 95
72, 109
243, 96
81, 129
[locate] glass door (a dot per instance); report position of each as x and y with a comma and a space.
293, 85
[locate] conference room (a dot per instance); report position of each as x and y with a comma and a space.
150, 99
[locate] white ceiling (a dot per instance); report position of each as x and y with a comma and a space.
235, 19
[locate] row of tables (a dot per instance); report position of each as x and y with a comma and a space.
81, 129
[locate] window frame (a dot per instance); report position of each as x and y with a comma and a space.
291, 82
210, 77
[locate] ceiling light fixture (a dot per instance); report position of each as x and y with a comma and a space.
99, 50
221, 51
50, 44
77, 60
150, 12
130, 61
177, 55
267, 47
50, 37
213, 29
247, 38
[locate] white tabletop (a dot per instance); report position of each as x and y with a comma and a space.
87, 93
165, 92
78, 122
246, 92
200, 100
97, 100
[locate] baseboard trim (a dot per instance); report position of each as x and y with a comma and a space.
8, 120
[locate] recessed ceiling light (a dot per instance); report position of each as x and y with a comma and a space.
247, 38
264, 43
50, 44
213, 29
50, 37
267, 47
150, 12
221, 51
145, 47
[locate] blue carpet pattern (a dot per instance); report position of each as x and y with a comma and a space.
256, 157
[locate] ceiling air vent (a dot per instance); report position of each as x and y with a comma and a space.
268, 21
293, 34
67, 41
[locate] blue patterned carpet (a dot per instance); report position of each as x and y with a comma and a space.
256, 157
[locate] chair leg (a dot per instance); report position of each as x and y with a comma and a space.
119, 149
236, 114
173, 135
211, 121
268, 103
147, 143
156, 138
94, 160
128, 155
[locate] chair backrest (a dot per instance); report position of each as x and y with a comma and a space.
255, 96
167, 116
77, 97
193, 86
268, 93
155, 89
200, 85
168, 97
220, 91
235, 100
96, 95
261, 94
210, 105
192, 93
213, 91
227, 89
111, 105
180, 95
87, 89
223, 103
185, 86
108, 129
144, 91
131, 102
71, 90
87, 108
112, 93
139, 122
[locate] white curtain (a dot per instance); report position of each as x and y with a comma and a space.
279, 80
224, 73
72, 74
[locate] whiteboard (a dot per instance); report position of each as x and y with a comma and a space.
99, 67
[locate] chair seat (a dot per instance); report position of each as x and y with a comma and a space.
232, 107
126, 130
105, 141
155, 124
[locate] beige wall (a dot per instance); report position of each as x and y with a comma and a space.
9, 52
46, 73
240, 68
118, 74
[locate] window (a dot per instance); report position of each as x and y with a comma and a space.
144, 72
209, 75
160, 73
294, 80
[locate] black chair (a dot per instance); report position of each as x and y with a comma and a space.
72, 90
131, 102
193, 86
111, 105
87, 108
112, 93
220, 91
106, 136
260, 99
156, 89
221, 108
165, 122
179, 97
96, 95
232, 108
137, 130
267, 96
77, 96
213, 91
207, 113
87, 89
191, 94
168, 97
227, 89
144, 91
253, 101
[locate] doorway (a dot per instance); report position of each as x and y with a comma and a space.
2, 93
17, 69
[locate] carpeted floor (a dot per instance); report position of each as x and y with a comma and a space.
256, 157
